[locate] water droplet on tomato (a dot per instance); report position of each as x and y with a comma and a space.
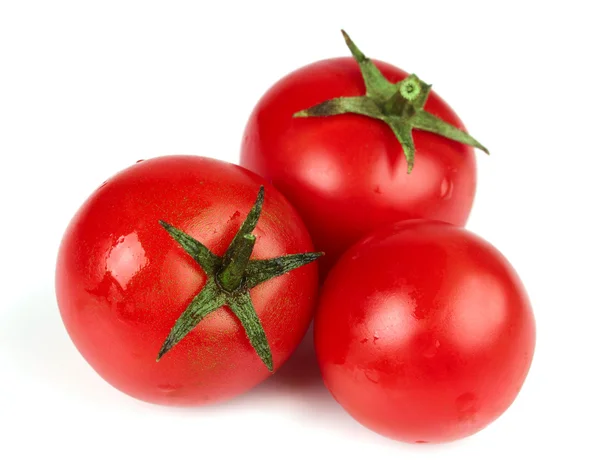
446, 189
431, 348
372, 375
126, 312
377, 190
169, 388
467, 406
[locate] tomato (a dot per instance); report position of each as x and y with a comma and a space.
347, 174
424, 332
130, 290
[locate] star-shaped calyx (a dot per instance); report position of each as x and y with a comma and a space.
230, 279
399, 105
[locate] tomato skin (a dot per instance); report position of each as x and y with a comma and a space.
122, 282
424, 332
347, 174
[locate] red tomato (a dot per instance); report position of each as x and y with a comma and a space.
122, 282
424, 332
347, 174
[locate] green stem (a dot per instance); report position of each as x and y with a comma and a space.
399, 105
232, 273
230, 279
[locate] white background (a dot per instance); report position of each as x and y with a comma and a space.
88, 88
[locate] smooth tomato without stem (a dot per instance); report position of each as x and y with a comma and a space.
424, 332
349, 174
200, 292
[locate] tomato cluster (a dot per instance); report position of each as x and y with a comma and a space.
184, 280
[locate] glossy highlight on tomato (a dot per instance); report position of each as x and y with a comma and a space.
122, 282
424, 332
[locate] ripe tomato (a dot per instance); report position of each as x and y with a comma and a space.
424, 332
347, 174
123, 282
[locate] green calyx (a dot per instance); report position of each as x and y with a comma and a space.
399, 105
230, 279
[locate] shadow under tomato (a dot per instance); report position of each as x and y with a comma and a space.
301, 371
298, 380
298, 391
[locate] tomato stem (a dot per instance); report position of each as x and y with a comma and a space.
399, 105
232, 274
230, 279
